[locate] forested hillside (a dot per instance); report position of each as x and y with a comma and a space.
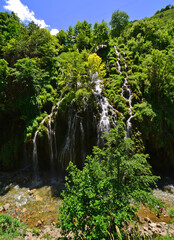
58, 94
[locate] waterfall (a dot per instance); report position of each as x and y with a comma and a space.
78, 139
82, 140
55, 141
56, 108
105, 107
101, 46
50, 142
126, 94
118, 58
68, 150
104, 123
129, 98
54, 112
35, 156
72, 136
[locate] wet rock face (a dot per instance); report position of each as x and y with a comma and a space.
72, 134
76, 134
162, 158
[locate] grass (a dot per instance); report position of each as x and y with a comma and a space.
164, 238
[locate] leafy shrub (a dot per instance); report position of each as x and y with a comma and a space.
34, 125
135, 68
82, 96
163, 238
10, 226
98, 198
144, 110
171, 213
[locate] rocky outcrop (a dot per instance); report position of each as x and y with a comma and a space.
156, 229
149, 229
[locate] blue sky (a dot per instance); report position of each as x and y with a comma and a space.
60, 14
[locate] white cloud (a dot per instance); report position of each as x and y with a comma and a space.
54, 31
23, 12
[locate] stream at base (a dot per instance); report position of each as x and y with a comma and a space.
38, 205
34, 205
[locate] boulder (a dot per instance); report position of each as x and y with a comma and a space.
146, 219
169, 188
6, 206
39, 223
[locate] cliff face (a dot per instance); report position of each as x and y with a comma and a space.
71, 138
107, 77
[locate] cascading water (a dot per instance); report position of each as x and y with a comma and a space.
101, 46
55, 140
35, 156
104, 123
50, 132
82, 139
76, 143
118, 58
126, 94
50, 142
68, 151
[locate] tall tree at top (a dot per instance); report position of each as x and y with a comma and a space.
118, 22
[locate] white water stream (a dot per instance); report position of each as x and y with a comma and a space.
35, 156
105, 108
50, 143
106, 112
126, 94
104, 124
82, 140
50, 134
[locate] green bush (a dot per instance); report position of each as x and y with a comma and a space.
163, 238
10, 226
106, 193
171, 213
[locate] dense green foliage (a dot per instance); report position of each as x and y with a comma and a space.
164, 238
118, 23
107, 192
37, 68
10, 227
150, 42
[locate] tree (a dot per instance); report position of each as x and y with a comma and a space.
118, 22
62, 37
103, 195
82, 32
3, 74
70, 37
3, 81
101, 33
12, 33
37, 40
26, 86
95, 65
159, 67
72, 70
